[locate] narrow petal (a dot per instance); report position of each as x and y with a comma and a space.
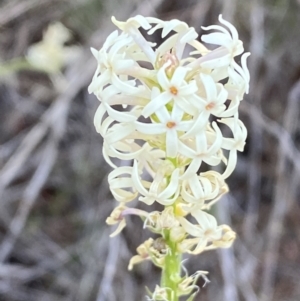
150, 128
215, 27
119, 229
209, 86
198, 125
192, 169
232, 29
190, 228
217, 38
231, 164
119, 132
196, 188
163, 79
171, 143
163, 114
98, 117
178, 76
218, 141
185, 150
200, 247
185, 126
123, 86
172, 187
156, 103
99, 82
136, 180
189, 35
167, 45
119, 115
188, 89
177, 113
205, 220
201, 142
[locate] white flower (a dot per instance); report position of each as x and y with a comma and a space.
188, 283
131, 27
160, 294
201, 148
198, 189
170, 124
228, 237
178, 41
121, 184
160, 221
215, 96
143, 253
207, 229
223, 56
158, 190
119, 132
126, 149
110, 96
111, 60
134, 22
227, 39
172, 89
153, 161
239, 77
117, 218
234, 144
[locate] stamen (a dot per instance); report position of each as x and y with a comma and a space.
210, 106
174, 90
171, 124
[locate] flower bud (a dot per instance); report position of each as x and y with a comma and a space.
170, 59
228, 237
177, 234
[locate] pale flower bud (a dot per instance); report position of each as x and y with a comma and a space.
160, 221
116, 217
177, 234
155, 250
170, 59
228, 237
188, 283
143, 253
160, 294
186, 245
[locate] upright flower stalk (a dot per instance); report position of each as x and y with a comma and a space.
171, 113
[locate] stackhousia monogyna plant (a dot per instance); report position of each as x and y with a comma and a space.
177, 98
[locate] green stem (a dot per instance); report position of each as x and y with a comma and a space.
171, 271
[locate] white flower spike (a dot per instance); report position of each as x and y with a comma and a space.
164, 114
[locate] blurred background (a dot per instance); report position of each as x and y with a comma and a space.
54, 197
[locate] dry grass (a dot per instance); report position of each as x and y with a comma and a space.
53, 186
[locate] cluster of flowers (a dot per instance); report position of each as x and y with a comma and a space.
169, 113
